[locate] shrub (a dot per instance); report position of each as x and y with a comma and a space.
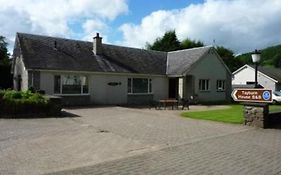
31, 89
2, 92
13, 96
24, 103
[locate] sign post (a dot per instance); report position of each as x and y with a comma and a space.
256, 110
252, 95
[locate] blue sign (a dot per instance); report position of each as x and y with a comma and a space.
266, 95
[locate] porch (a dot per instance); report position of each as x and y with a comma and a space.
182, 88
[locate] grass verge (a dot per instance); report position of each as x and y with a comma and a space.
234, 114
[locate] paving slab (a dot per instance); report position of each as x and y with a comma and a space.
104, 140
250, 152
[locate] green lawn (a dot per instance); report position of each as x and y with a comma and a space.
231, 115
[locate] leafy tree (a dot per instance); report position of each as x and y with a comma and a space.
4, 55
270, 56
277, 60
229, 59
169, 42
187, 44
6, 78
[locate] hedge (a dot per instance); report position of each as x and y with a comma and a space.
26, 104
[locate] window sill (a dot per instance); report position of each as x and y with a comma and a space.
220, 90
205, 90
72, 94
140, 93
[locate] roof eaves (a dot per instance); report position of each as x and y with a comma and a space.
268, 76
17, 40
273, 79
195, 48
241, 68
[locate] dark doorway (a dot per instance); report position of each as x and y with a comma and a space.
19, 82
173, 87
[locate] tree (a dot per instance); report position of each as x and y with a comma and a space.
187, 44
4, 55
6, 78
277, 60
169, 42
229, 59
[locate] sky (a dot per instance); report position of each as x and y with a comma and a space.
240, 25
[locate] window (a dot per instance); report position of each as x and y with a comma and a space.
70, 84
139, 85
204, 85
220, 85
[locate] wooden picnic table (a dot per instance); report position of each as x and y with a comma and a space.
168, 102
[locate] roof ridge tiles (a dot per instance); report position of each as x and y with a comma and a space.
190, 49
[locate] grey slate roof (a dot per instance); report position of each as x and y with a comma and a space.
272, 72
179, 62
39, 52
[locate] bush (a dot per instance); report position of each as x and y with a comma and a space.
24, 103
2, 92
24, 97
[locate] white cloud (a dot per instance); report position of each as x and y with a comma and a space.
53, 17
93, 25
241, 25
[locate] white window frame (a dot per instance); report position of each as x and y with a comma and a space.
220, 85
149, 86
81, 86
207, 85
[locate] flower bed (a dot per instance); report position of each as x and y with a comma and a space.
27, 104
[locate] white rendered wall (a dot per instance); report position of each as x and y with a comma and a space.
20, 70
211, 68
101, 92
248, 74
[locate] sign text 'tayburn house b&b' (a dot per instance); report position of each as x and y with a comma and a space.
252, 95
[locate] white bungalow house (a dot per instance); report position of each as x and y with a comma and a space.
92, 72
268, 77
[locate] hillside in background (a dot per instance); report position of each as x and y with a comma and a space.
270, 56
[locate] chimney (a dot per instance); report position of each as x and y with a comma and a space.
97, 45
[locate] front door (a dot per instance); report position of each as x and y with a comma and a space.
173, 87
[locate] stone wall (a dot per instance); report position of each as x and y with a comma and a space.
25, 109
256, 114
